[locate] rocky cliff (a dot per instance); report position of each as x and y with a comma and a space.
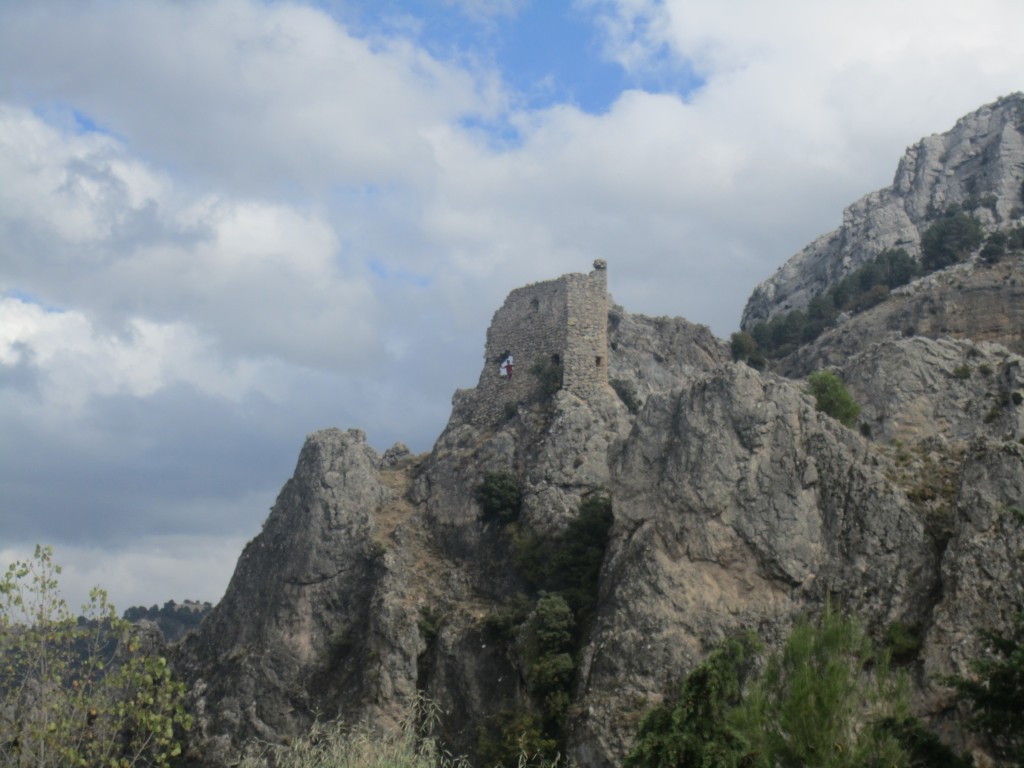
978, 166
735, 505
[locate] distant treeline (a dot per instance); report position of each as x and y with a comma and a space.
949, 240
174, 620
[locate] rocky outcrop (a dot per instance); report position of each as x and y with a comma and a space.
982, 572
736, 505
954, 391
653, 354
973, 302
303, 612
977, 166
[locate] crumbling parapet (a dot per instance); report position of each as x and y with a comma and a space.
556, 328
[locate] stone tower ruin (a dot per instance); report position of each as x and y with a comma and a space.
556, 329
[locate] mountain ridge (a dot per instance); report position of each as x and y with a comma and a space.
735, 505
978, 165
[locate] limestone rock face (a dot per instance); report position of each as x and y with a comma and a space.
736, 505
979, 164
951, 390
651, 354
290, 636
982, 572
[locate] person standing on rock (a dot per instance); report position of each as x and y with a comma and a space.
506, 367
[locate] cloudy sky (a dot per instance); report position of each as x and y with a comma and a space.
225, 224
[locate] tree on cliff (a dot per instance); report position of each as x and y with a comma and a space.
693, 730
827, 699
832, 397
817, 701
950, 240
79, 691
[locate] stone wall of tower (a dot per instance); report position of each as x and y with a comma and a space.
585, 361
561, 323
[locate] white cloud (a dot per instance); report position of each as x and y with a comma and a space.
175, 567
257, 96
88, 226
633, 30
75, 361
281, 226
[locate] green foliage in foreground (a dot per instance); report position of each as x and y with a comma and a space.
833, 398
332, 745
815, 703
827, 699
79, 691
693, 729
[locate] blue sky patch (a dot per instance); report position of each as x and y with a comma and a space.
381, 270
85, 124
547, 52
28, 298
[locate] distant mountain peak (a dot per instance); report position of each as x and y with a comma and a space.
976, 167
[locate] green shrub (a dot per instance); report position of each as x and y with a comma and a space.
692, 728
832, 397
502, 623
816, 700
904, 641
921, 747
994, 248
869, 298
429, 623
864, 288
542, 639
548, 373
515, 739
576, 565
569, 562
742, 345
1015, 238
826, 699
79, 690
949, 240
562, 571
548, 648
499, 497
